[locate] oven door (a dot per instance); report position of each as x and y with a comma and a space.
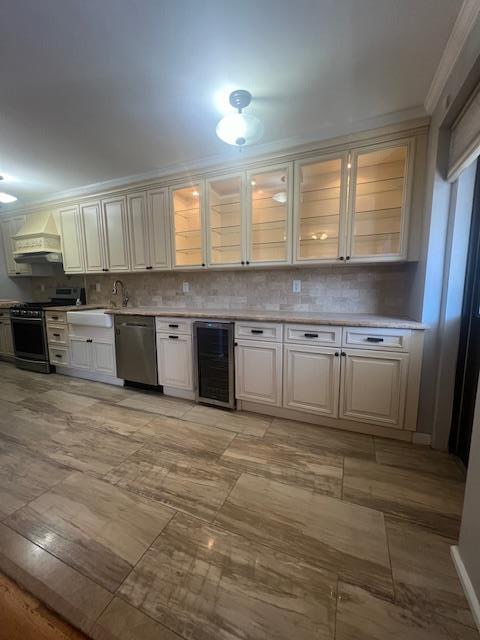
29, 338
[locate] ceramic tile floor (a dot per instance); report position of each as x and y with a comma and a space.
139, 517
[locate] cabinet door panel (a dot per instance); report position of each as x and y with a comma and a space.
187, 226
320, 209
72, 245
373, 387
93, 235
311, 379
18, 269
225, 220
103, 357
80, 353
258, 368
175, 361
115, 233
138, 227
158, 229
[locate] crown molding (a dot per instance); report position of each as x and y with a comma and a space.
396, 123
467, 16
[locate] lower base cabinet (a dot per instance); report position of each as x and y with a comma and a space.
175, 361
258, 372
92, 354
373, 387
6, 339
311, 379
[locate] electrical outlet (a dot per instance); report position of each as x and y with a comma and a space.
185, 287
98, 287
297, 286
42, 287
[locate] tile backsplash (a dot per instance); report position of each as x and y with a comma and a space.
381, 289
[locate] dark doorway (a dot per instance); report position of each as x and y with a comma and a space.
468, 363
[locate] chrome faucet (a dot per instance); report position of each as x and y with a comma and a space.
124, 293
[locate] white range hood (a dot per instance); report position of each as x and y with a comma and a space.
38, 240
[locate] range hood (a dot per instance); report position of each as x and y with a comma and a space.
38, 240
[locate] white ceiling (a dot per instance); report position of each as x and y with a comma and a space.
93, 90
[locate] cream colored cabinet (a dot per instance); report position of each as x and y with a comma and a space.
6, 338
9, 229
91, 219
311, 379
319, 211
175, 360
148, 230
187, 225
379, 202
115, 234
373, 387
269, 215
258, 372
80, 353
72, 240
92, 354
225, 220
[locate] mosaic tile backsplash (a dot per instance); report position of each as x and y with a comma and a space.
381, 289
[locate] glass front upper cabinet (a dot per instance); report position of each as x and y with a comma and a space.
379, 201
320, 198
269, 215
225, 220
187, 225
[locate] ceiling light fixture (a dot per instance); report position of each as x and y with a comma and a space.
239, 129
6, 198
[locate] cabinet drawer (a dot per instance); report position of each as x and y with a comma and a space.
310, 333
58, 357
57, 335
173, 325
266, 331
57, 317
378, 339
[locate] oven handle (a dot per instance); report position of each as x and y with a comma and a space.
15, 319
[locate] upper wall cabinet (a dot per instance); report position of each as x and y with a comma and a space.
379, 202
269, 206
72, 240
225, 221
149, 231
9, 229
320, 203
105, 233
187, 225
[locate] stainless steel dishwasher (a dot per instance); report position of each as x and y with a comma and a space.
135, 349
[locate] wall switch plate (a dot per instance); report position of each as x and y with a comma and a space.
42, 287
297, 286
98, 288
185, 287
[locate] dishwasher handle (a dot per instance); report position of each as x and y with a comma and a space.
136, 325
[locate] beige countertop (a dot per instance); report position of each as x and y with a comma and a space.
6, 304
74, 307
298, 317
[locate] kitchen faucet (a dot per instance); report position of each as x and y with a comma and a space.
124, 293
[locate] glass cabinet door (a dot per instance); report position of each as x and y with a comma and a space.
378, 201
186, 202
320, 205
225, 228
269, 216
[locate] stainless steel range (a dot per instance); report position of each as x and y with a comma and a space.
29, 328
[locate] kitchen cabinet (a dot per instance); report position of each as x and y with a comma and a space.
373, 387
6, 338
269, 215
92, 354
9, 229
72, 240
187, 225
105, 232
148, 230
225, 221
311, 379
175, 360
258, 372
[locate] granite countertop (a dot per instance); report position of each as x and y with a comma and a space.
298, 317
6, 304
74, 307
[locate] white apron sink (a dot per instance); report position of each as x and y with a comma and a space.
91, 318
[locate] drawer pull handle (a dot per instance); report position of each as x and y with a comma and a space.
311, 335
376, 340
58, 356
56, 335
256, 330
173, 326
173, 337
89, 340
54, 317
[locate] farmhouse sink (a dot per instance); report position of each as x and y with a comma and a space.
91, 318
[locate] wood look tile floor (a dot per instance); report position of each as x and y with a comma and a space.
140, 517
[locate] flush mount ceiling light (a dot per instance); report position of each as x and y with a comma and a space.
6, 198
239, 129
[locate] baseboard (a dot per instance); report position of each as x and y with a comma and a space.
186, 394
89, 375
425, 439
467, 585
